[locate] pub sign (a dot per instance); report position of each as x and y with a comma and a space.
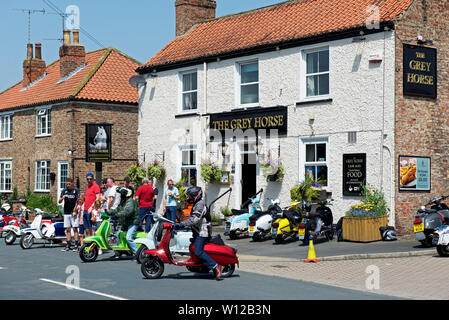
98, 142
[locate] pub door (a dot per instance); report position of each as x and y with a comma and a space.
248, 173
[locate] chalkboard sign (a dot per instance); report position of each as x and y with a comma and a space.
354, 174
420, 71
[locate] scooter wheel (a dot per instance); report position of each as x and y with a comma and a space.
88, 256
257, 237
140, 253
232, 235
26, 242
152, 267
279, 239
10, 238
443, 251
228, 270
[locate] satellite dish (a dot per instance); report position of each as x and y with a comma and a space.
136, 81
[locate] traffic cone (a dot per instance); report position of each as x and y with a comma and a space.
311, 257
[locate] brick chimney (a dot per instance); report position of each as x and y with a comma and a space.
191, 12
72, 55
33, 67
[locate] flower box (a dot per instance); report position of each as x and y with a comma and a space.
363, 229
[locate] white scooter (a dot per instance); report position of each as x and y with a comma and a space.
441, 240
40, 230
260, 222
182, 238
12, 231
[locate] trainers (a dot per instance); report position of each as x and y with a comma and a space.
67, 248
217, 272
100, 252
75, 248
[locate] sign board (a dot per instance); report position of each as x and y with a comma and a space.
414, 173
354, 174
98, 142
274, 118
420, 71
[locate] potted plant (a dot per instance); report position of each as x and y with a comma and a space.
363, 220
273, 170
136, 173
226, 212
156, 170
210, 172
216, 219
308, 190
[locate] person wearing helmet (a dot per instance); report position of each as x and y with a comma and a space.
199, 221
128, 215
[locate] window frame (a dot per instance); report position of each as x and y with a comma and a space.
47, 181
188, 148
10, 126
303, 163
239, 83
304, 74
3, 183
47, 114
181, 92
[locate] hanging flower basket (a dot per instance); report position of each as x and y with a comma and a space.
156, 170
273, 170
210, 172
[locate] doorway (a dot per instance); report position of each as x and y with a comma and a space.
248, 170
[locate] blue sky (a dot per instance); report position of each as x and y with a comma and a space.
140, 28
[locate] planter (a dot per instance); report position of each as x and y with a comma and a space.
363, 229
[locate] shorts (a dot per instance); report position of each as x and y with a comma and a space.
86, 220
70, 221
81, 229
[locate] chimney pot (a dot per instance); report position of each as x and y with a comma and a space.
67, 37
38, 50
29, 51
76, 36
33, 68
72, 55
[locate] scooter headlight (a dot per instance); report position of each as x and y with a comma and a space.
423, 207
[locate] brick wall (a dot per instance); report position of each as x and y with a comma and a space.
68, 133
190, 12
422, 124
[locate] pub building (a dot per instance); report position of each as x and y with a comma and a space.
346, 92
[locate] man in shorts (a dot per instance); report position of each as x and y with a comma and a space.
70, 195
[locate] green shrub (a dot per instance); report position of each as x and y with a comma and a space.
136, 174
43, 202
156, 171
226, 211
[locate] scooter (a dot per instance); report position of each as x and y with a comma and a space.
49, 231
154, 236
441, 239
260, 222
106, 240
6, 217
317, 224
238, 224
14, 231
287, 223
427, 220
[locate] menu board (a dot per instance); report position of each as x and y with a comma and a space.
414, 173
354, 174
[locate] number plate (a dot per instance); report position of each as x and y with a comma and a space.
274, 232
418, 227
301, 232
251, 229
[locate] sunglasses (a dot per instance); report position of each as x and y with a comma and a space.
89, 179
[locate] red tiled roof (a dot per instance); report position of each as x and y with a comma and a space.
275, 24
105, 78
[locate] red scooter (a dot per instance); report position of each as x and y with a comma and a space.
153, 264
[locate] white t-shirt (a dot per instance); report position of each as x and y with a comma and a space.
113, 193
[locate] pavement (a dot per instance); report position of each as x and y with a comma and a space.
401, 268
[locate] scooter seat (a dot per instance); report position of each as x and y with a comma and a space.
237, 211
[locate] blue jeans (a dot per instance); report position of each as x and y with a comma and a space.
130, 237
199, 243
170, 213
148, 220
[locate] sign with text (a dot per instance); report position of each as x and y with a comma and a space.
414, 173
354, 173
98, 142
255, 119
420, 71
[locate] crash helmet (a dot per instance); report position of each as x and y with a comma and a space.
390, 235
194, 194
125, 193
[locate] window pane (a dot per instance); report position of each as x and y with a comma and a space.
64, 175
250, 72
48, 129
324, 84
250, 94
192, 157
321, 172
312, 62
321, 152
189, 101
185, 158
310, 172
324, 61
189, 82
310, 153
312, 85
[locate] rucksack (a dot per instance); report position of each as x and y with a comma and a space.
388, 233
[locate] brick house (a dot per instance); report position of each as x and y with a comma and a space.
257, 63
42, 139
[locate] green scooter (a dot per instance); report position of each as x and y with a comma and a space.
103, 239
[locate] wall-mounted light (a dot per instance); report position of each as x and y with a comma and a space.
224, 148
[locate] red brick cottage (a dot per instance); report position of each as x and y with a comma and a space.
42, 140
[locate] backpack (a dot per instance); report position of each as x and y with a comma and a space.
388, 233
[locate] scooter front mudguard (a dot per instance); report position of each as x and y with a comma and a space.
146, 242
14, 229
99, 241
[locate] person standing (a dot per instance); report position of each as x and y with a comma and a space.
79, 213
113, 197
92, 194
70, 195
127, 184
156, 192
171, 196
145, 196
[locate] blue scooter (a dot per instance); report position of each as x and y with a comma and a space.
238, 224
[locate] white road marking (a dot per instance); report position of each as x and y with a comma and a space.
81, 289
